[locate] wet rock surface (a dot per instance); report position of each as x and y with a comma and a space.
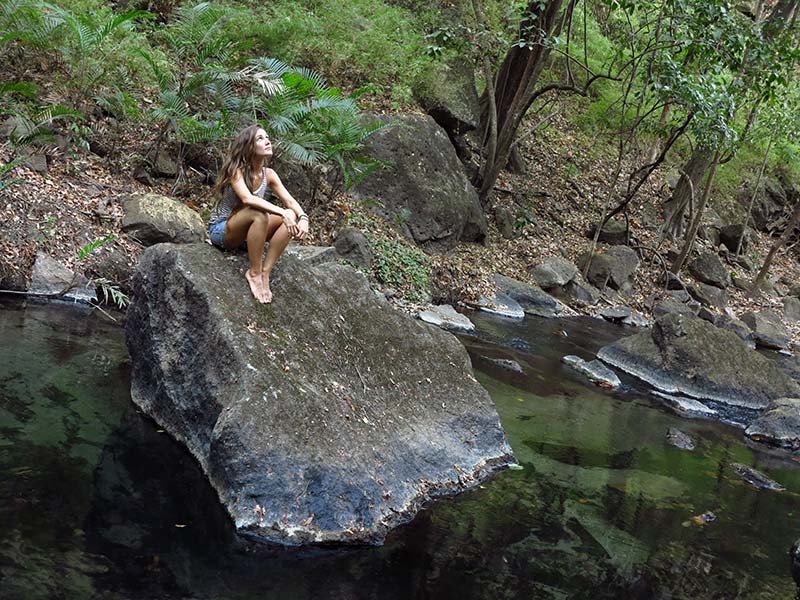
446, 317
532, 300
594, 370
325, 416
779, 425
692, 357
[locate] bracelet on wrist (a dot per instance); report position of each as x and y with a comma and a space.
303, 216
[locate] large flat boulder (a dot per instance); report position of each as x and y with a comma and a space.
325, 416
691, 356
424, 188
152, 219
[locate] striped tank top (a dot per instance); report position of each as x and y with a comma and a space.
230, 201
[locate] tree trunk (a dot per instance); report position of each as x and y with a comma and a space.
515, 84
698, 216
675, 207
779, 243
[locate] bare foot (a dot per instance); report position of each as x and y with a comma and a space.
256, 286
265, 287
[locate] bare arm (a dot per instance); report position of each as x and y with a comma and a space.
253, 201
277, 187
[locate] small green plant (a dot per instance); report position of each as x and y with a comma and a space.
6, 180
401, 266
111, 291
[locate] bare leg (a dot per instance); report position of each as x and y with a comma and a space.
252, 225
278, 240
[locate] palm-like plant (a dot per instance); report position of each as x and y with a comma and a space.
91, 45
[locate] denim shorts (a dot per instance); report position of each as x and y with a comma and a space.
216, 231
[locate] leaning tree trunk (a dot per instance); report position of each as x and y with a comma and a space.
779, 243
698, 216
675, 207
515, 84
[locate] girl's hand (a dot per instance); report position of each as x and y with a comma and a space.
290, 222
302, 228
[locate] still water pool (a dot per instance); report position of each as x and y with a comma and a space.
97, 502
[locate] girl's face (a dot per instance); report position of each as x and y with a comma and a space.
262, 147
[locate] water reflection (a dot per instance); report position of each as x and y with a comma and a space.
97, 502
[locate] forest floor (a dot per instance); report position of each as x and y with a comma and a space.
562, 192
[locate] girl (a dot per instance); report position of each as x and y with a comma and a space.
244, 213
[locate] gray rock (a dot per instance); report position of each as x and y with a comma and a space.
424, 190
321, 417
675, 437
681, 296
768, 329
692, 357
730, 234
311, 255
756, 478
708, 268
452, 101
611, 267
151, 219
554, 272
770, 200
624, 316
670, 305
685, 407
506, 223
580, 293
791, 308
613, 232
532, 300
506, 363
352, 246
708, 295
741, 283
779, 425
50, 278
740, 328
37, 162
446, 317
745, 263
595, 371
501, 304
165, 165
707, 314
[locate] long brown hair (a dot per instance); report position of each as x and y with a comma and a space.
240, 156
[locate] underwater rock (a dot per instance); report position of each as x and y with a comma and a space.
756, 478
675, 437
324, 416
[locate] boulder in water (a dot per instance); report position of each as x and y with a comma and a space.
325, 416
779, 425
690, 356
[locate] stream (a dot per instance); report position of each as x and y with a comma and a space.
97, 502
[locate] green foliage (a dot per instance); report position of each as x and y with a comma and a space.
110, 290
92, 44
375, 42
401, 266
6, 180
92, 246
